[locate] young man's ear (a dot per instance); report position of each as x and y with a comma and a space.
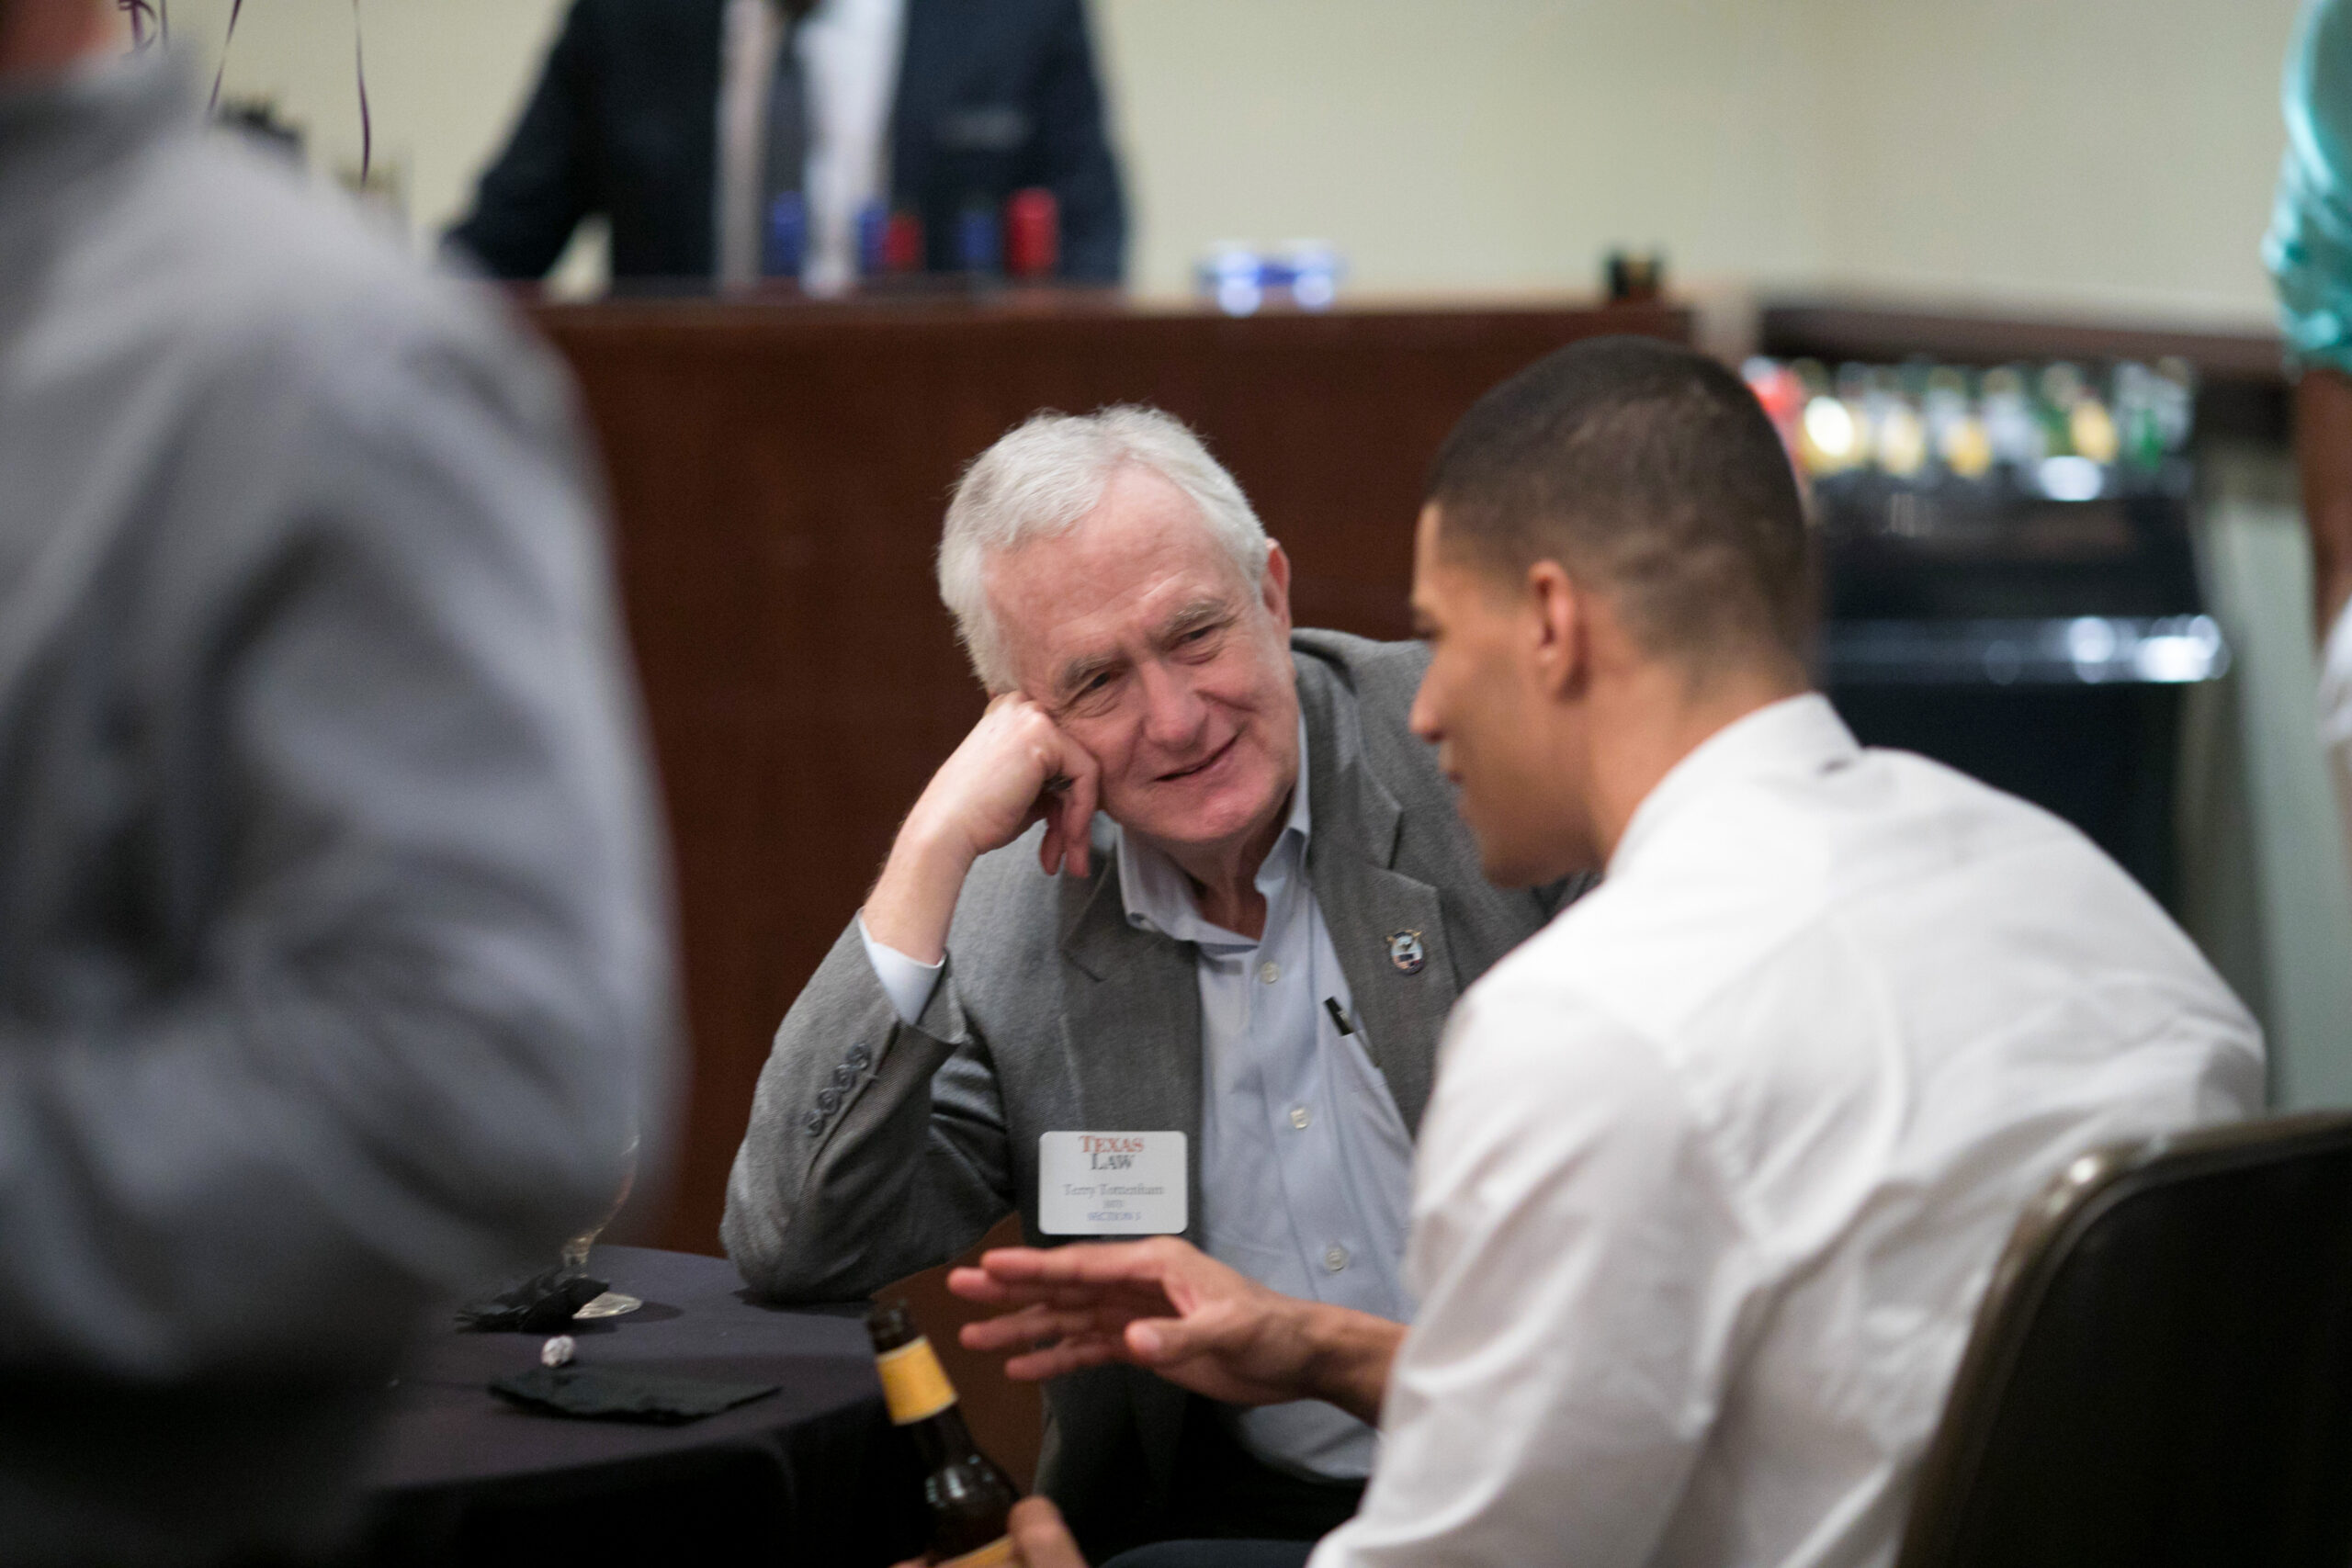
1555, 627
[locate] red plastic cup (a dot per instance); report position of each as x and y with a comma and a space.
902, 242
1033, 234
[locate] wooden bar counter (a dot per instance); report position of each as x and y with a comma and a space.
778, 473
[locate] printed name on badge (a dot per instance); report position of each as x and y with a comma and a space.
1111, 1183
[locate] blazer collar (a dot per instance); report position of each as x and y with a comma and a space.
1095, 933
1353, 811
1369, 906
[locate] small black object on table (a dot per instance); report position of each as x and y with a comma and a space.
811, 1473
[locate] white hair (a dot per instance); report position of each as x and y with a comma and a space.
1045, 478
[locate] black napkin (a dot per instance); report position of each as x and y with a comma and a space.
607, 1393
540, 1304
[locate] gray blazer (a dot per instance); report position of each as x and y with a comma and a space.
877, 1149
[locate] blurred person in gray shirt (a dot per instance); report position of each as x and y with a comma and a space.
333, 946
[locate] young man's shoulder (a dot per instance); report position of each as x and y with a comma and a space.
1888, 873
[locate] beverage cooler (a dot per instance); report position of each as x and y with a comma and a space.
2009, 573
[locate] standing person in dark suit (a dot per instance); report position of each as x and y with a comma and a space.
679, 120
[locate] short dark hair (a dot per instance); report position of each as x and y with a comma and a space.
1651, 470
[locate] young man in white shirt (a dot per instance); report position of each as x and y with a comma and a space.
1718, 1164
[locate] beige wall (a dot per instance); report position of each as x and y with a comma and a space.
445, 78
1480, 143
2106, 152
2116, 152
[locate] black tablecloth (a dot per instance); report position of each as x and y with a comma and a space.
811, 1473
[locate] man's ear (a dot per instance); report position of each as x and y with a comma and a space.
1557, 627
1274, 591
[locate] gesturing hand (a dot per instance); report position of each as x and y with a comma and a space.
1164, 1305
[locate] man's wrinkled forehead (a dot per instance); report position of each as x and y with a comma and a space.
1117, 571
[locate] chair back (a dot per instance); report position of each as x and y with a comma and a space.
2161, 1371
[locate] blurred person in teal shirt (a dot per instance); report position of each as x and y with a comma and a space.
2308, 252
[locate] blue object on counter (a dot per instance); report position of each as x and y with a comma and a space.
873, 240
1235, 276
978, 241
1241, 279
1313, 269
787, 236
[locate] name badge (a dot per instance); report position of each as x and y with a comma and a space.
1111, 1183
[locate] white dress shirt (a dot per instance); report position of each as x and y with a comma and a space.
2336, 720
1718, 1164
849, 57
1305, 1162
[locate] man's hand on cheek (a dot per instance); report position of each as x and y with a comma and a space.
1016, 767
1067, 803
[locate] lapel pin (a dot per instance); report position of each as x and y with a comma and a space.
1405, 951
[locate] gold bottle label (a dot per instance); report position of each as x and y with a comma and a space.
915, 1384
997, 1551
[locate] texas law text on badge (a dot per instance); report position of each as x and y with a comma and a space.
1111, 1183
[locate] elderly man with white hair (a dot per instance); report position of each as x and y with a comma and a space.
1190, 881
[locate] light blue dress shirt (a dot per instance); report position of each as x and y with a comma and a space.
2309, 248
1305, 1165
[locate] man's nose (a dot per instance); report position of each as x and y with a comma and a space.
1423, 716
1172, 709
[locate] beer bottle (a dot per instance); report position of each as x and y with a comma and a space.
967, 1493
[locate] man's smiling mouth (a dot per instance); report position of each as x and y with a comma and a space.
1207, 762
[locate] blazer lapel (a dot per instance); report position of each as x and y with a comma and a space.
1380, 919
1132, 1025
1131, 1020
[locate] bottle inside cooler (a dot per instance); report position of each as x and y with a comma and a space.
2009, 582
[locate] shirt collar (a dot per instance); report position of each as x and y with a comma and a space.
1158, 896
1794, 737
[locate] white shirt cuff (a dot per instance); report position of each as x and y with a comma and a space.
908, 983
